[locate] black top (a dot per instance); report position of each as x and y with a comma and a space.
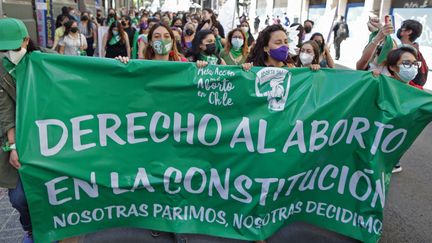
131, 34
118, 49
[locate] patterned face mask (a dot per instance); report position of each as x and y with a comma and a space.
162, 47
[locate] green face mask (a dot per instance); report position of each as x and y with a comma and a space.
162, 47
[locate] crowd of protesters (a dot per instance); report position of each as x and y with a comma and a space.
186, 36
197, 37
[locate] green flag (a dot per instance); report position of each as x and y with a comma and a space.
217, 151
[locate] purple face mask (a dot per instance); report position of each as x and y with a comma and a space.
280, 54
143, 26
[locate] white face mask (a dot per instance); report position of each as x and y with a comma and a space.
16, 56
306, 58
237, 43
407, 74
245, 29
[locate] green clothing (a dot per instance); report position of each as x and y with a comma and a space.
9, 66
219, 46
8, 174
212, 59
135, 45
386, 48
114, 39
229, 60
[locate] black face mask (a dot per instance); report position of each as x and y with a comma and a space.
98, 15
111, 15
124, 23
74, 29
189, 32
308, 29
398, 34
210, 49
84, 18
178, 26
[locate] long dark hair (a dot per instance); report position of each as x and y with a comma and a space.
174, 55
68, 27
89, 21
32, 46
257, 55
250, 38
323, 41
214, 22
196, 42
315, 50
120, 30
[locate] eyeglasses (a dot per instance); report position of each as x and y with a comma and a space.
408, 64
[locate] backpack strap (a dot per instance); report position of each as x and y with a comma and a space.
7, 82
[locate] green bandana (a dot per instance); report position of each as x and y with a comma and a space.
114, 39
236, 53
110, 21
212, 59
387, 46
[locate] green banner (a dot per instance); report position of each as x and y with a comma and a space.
217, 151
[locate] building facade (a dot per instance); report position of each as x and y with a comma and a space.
30, 12
300, 10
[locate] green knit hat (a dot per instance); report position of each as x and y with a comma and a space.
12, 33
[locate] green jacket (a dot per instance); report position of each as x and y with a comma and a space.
8, 174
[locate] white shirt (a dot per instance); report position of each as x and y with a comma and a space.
72, 45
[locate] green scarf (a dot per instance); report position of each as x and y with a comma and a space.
212, 59
135, 45
219, 46
236, 53
114, 39
386, 48
110, 21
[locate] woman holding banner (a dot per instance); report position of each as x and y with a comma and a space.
115, 42
309, 55
204, 49
162, 45
270, 49
403, 65
236, 48
15, 44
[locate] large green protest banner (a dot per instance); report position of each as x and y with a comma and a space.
217, 151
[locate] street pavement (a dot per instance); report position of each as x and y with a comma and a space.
10, 227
